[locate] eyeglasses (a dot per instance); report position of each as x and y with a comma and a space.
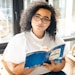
43, 20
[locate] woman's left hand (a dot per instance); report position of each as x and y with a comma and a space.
50, 66
55, 66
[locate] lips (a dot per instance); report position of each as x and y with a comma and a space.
39, 25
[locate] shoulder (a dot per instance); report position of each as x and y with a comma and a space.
59, 39
17, 38
19, 35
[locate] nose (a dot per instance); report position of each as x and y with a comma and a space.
40, 21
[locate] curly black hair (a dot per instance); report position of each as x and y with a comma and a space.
26, 17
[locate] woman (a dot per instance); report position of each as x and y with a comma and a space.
38, 24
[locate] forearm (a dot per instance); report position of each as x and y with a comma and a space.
19, 70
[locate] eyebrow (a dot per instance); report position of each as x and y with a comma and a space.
43, 16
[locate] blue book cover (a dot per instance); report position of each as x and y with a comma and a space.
37, 58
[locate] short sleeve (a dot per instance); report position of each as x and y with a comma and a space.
15, 50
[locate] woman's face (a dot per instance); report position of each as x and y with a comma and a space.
41, 20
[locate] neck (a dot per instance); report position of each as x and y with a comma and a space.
39, 34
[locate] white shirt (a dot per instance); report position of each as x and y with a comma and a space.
26, 42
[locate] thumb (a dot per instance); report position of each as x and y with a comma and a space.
52, 61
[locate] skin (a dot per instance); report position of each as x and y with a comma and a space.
73, 48
38, 28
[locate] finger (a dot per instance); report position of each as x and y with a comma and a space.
44, 48
46, 65
52, 61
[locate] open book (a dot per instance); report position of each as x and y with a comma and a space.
37, 58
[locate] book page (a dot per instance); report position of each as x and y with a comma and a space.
55, 54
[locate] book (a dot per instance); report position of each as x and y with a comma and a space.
37, 58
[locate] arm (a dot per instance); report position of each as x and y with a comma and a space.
18, 69
55, 67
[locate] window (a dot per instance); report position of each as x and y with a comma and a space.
66, 22
6, 20
26, 2
10, 11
